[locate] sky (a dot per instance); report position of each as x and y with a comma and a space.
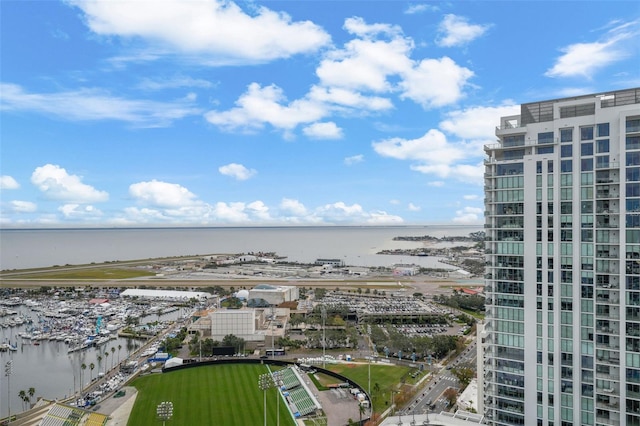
267, 113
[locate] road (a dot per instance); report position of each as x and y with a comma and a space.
431, 397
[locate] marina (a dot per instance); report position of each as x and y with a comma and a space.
58, 345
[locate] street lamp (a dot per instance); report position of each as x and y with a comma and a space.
276, 376
165, 411
265, 381
8, 369
324, 336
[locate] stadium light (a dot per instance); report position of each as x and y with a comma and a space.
8, 369
265, 381
165, 411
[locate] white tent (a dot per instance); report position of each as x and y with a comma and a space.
173, 362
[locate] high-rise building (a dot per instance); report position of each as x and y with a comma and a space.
562, 332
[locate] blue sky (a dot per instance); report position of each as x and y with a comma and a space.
173, 112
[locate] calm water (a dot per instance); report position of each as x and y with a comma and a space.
357, 246
50, 369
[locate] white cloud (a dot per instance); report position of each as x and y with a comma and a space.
80, 212
327, 130
8, 182
175, 82
353, 80
383, 218
585, 59
96, 104
293, 207
412, 207
18, 206
209, 31
366, 63
471, 197
259, 211
162, 194
57, 184
468, 215
436, 183
231, 212
264, 105
432, 148
435, 82
456, 31
354, 159
420, 8
477, 122
340, 99
237, 171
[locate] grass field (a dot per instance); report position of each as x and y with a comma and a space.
386, 377
208, 395
90, 274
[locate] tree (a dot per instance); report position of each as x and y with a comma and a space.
99, 358
23, 396
361, 411
451, 395
464, 375
119, 347
106, 358
31, 392
91, 367
83, 367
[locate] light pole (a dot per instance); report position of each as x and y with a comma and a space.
165, 411
324, 335
8, 369
265, 381
276, 375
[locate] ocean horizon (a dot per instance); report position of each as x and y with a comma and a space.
357, 245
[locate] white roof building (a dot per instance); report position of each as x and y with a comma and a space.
165, 294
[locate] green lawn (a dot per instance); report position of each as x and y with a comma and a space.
90, 274
386, 376
208, 395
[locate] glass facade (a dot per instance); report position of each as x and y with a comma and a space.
561, 343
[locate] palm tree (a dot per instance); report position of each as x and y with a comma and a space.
106, 354
119, 347
113, 351
91, 367
31, 392
99, 358
84, 367
23, 396
361, 410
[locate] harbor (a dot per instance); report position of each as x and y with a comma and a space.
56, 345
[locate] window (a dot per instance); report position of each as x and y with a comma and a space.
602, 129
566, 135
602, 162
633, 158
633, 142
545, 150
602, 146
586, 133
546, 137
566, 151
586, 164
586, 149
566, 166
509, 141
633, 125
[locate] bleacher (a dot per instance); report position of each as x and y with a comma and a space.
96, 419
301, 401
288, 379
62, 415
